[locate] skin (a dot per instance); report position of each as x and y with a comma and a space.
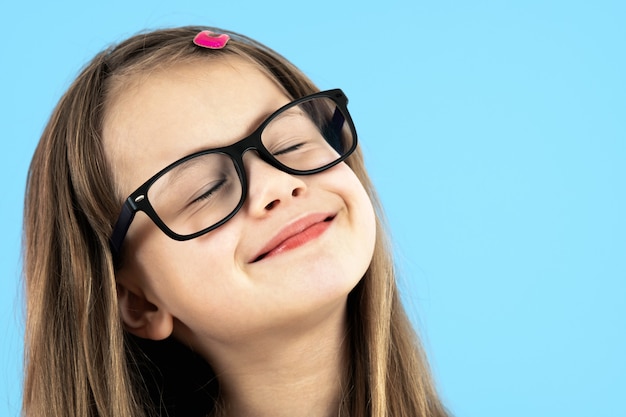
272, 330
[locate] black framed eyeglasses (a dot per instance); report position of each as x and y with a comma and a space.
202, 191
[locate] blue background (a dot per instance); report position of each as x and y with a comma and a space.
495, 132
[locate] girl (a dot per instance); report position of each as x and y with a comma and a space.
201, 238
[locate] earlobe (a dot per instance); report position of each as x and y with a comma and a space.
141, 317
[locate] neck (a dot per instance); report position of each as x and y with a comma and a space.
296, 373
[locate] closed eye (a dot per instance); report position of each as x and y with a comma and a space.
209, 193
292, 148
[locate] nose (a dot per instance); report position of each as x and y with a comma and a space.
268, 186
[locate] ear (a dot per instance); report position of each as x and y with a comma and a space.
140, 316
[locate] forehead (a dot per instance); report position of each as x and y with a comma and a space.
155, 118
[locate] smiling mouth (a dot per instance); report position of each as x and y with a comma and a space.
296, 239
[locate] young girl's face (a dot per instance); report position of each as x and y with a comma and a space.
213, 290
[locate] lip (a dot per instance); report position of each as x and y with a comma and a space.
295, 234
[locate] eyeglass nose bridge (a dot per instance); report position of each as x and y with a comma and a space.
253, 143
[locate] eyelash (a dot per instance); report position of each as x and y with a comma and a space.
289, 149
210, 192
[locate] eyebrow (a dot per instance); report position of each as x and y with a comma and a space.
176, 172
290, 112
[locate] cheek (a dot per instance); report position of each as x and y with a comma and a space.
366, 225
362, 216
169, 271
366, 221
357, 200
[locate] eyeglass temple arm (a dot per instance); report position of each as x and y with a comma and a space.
333, 128
338, 119
121, 227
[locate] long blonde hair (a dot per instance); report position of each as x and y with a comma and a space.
77, 357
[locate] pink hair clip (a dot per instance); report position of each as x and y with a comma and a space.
210, 40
